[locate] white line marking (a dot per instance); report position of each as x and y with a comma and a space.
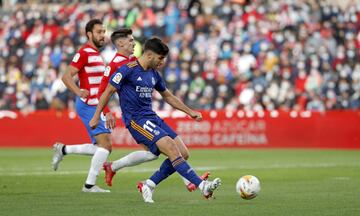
42, 171
340, 178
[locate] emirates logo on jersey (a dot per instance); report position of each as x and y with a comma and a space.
144, 92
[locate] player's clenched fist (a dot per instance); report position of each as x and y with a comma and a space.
110, 121
94, 122
83, 93
196, 115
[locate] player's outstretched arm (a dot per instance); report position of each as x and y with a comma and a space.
102, 102
179, 105
69, 82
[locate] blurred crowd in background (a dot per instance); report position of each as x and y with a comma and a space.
251, 55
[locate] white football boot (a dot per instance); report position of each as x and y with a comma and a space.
94, 189
146, 192
208, 187
58, 155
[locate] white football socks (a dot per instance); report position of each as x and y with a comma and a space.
150, 183
132, 159
83, 149
97, 161
202, 185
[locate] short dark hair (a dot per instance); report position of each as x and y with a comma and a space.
120, 33
157, 46
90, 25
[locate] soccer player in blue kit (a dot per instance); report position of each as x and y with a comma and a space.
134, 83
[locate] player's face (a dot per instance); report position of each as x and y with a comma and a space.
98, 35
127, 44
157, 60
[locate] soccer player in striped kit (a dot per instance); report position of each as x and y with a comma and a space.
89, 66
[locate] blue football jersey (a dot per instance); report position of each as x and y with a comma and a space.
135, 86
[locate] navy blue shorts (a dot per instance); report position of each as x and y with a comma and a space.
148, 130
86, 113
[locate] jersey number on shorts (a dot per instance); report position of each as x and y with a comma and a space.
149, 126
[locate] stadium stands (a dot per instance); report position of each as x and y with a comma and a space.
251, 55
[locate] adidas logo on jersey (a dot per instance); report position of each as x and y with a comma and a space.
139, 79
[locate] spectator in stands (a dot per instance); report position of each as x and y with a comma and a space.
268, 54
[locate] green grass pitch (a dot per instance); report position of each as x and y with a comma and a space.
294, 182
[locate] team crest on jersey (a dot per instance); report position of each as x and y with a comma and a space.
117, 78
107, 71
76, 57
156, 132
153, 80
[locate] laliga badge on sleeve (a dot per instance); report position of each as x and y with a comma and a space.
117, 78
107, 71
76, 57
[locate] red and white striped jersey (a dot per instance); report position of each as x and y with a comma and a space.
91, 69
115, 63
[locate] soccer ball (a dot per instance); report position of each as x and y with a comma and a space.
248, 187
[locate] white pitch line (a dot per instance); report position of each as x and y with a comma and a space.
78, 172
340, 178
39, 171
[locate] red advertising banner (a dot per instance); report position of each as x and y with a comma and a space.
219, 129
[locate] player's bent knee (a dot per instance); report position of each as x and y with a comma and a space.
182, 147
186, 155
173, 147
168, 147
104, 141
107, 147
